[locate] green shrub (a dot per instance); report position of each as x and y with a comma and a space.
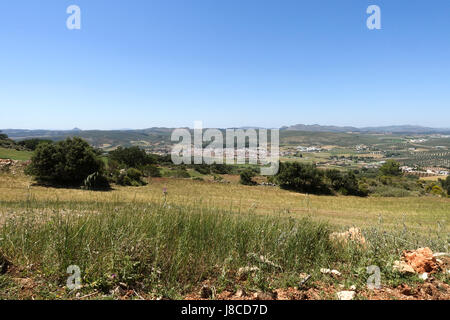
134, 174
302, 178
180, 172
445, 184
202, 168
246, 177
391, 168
389, 191
32, 144
132, 157
66, 163
128, 177
437, 190
96, 181
151, 170
221, 168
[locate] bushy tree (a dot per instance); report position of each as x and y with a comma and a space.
246, 177
350, 185
151, 170
31, 144
96, 181
302, 178
180, 173
129, 177
6, 142
334, 178
437, 190
66, 163
346, 184
391, 168
202, 168
132, 157
220, 168
446, 184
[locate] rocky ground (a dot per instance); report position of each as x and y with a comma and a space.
422, 262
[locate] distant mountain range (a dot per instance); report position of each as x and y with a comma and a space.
98, 138
145, 137
401, 129
398, 129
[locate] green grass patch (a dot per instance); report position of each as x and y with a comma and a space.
15, 154
164, 249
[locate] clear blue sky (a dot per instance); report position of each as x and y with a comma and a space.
139, 64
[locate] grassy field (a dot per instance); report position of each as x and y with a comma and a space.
166, 246
14, 154
419, 213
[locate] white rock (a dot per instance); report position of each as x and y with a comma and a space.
353, 287
346, 295
328, 271
240, 293
245, 270
424, 276
336, 272
403, 267
440, 254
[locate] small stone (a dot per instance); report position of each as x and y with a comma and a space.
403, 267
353, 234
305, 279
353, 287
117, 291
424, 276
421, 260
332, 272
240, 293
264, 296
440, 254
245, 271
346, 295
335, 272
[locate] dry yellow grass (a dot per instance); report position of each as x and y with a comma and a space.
433, 178
418, 213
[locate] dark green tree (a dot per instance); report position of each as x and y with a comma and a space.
445, 184
132, 157
302, 178
220, 168
391, 168
246, 177
151, 170
66, 163
31, 144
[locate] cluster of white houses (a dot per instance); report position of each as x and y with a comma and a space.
430, 171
